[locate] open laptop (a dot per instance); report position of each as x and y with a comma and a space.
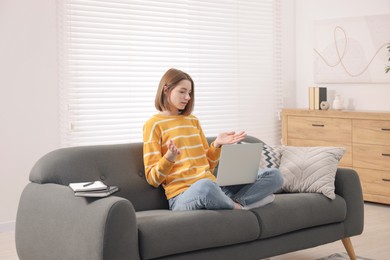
239, 164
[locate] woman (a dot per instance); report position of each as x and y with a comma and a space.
178, 157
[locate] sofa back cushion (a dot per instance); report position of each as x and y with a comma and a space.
119, 164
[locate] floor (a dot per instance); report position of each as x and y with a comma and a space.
373, 243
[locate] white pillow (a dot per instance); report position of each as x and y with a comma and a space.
310, 169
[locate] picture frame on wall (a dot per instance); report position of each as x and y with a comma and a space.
352, 50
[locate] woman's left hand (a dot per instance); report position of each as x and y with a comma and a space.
229, 138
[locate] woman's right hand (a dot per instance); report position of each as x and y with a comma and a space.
172, 152
229, 138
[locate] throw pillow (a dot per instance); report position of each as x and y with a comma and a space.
310, 169
270, 157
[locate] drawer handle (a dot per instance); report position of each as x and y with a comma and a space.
388, 180
385, 154
317, 125
385, 129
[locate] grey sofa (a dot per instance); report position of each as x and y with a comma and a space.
135, 222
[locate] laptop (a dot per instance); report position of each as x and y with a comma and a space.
239, 163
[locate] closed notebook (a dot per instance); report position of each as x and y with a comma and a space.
88, 186
99, 193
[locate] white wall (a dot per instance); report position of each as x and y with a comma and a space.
288, 53
29, 95
372, 97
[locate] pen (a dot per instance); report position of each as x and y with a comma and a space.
89, 183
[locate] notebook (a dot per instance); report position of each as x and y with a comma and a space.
88, 186
239, 164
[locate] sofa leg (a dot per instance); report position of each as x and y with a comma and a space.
349, 247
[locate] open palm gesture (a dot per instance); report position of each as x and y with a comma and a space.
229, 138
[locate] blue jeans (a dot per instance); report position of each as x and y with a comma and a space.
206, 194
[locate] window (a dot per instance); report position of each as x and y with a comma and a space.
112, 55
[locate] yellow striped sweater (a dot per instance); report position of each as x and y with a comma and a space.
196, 161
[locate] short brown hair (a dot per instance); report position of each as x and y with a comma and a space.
171, 79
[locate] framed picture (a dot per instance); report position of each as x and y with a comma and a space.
352, 50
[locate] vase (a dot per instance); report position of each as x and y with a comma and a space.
337, 103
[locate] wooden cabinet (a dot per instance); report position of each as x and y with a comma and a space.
365, 135
321, 131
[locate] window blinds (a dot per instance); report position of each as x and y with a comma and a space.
112, 55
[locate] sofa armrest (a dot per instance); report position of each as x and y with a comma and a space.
54, 224
347, 185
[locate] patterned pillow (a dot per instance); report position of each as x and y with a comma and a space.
310, 169
271, 156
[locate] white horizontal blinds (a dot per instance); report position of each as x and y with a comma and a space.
215, 32
113, 53
238, 87
117, 53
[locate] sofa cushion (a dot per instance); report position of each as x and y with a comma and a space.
296, 211
310, 169
270, 157
165, 232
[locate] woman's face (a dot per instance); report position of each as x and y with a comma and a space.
179, 96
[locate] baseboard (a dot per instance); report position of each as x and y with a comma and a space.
7, 226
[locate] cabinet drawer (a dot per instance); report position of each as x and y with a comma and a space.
375, 182
371, 156
346, 161
371, 132
326, 129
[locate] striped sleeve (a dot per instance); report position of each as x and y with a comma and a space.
213, 155
157, 167
212, 152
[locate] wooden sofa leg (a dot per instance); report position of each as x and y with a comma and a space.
349, 247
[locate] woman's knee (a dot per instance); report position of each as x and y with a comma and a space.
211, 195
275, 177
278, 178
204, 186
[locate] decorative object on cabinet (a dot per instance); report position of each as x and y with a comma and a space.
324, 105
365, 135
338, 103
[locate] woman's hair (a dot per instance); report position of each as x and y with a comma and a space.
171, 79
